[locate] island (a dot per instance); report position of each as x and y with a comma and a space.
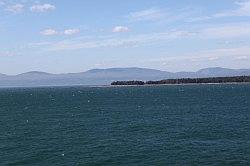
235, 79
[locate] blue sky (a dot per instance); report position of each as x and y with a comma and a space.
61, 36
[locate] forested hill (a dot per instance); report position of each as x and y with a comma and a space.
236, 79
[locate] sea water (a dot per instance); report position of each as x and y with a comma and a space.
107, 126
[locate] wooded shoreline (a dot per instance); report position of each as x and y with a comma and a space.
209, 80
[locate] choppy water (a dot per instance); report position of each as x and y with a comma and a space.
162, 125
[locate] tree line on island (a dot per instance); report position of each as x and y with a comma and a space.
236, 79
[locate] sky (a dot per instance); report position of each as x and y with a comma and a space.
65, 36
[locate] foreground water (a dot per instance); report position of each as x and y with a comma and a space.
162, 125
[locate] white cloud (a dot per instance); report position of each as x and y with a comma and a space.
160, 15
42, 8
242, 57
147, 15
39, 44
195, 19
214, 56
243, 10
120, 29
236, 53
222, 32
226, 31
113, 41
71, 31
49, 32
7, 53
17, 8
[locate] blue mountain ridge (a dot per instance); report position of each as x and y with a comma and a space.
106, 76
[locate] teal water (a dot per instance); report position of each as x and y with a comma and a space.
161, 125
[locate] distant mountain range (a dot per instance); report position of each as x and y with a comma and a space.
106, 76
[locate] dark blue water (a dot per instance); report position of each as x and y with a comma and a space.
162, 125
